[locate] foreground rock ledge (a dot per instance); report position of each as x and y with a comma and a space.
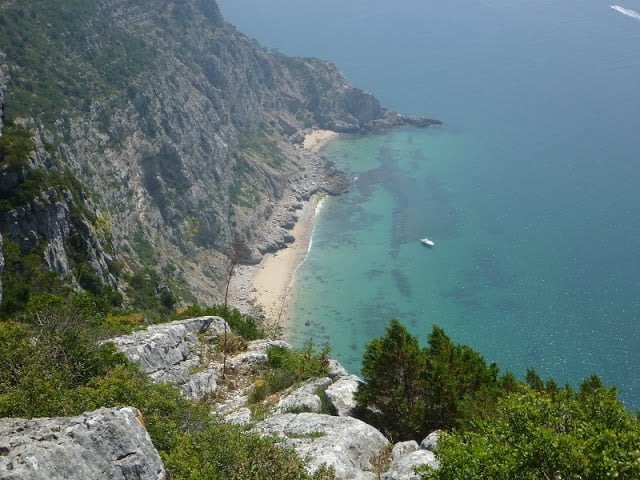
106, 443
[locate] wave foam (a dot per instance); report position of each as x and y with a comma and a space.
626, 11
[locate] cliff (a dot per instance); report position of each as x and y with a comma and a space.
174, 133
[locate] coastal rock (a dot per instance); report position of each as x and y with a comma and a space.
255, 355
106, 443
242, 416
304, 398
200, 385
344, 443
403, 467
340, 395
401, 449
336, 370
430, 442
169, 352
407, 456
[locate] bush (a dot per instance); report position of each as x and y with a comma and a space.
537, 434
244, 325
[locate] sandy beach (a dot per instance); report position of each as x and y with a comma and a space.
273, 282
268, 287
317, 139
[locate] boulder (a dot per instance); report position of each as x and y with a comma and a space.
341, 395
431, 441
106, 443
403, 467
404, 448
344, 443
304, 398
336, 369
407, 456
255, 355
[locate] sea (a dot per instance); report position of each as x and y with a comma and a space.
530, 189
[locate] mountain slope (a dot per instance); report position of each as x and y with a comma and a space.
180, 131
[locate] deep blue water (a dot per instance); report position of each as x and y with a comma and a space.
530, 191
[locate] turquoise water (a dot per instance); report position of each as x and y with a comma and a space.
530, 191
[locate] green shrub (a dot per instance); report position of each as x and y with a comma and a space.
537, 434
243, 324
15, 146
286, 367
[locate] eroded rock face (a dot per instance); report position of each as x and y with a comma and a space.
305, 398
407, 456
344, 443
170, 352
341, 395
106, 443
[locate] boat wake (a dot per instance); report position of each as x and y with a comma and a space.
626, 11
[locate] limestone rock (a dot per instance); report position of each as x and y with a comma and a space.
345, 443
169, 352
304, 398
256, 354
403, 467
403, 448
430, 442
106, 443
200, 385
340, 395
336, 369
242, 416
407, 456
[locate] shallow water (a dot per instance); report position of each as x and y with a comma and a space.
529, 191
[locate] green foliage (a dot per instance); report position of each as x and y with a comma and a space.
461, 386
15, 146
225, 451
392, 367
286, 367
45, 361
52, 365
147, 293
536, 434
409, 392
243, 324
68, 55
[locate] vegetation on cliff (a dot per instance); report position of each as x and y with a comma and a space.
54, 365
498, 427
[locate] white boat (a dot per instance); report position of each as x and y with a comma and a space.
428, 242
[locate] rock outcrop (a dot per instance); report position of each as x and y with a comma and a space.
305, 398
406, 457
106, 443
340, 395
346, 444
186, 353
171, 352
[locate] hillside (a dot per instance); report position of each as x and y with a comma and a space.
140, 138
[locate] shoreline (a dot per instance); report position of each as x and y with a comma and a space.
274, 281
267, 289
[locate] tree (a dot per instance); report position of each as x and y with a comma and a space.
461, 386
410, 392
391, 370
235, 251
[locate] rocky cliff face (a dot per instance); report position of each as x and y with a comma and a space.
106, 443
184, 140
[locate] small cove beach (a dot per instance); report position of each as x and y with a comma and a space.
268, 287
